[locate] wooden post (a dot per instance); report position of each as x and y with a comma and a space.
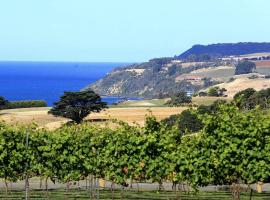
26, 168
259, 187
102, 182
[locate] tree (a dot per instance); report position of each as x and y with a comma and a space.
172, 70
211, 109
242, 99
179, 99
245, 67
216, 92
3, 102
186, 122
249, 98
213, 92
77, 105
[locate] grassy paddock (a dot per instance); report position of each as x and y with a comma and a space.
162, 102
130, 194
208, 100
142, 103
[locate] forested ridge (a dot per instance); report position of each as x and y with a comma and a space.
227, 49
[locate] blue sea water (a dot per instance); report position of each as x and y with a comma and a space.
48, 80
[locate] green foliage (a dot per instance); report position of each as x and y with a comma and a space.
211, 109
3, 102
149, 79
216, 92
179, 99
213, 92
232, 147
245, 67
172, 70
199, 58
77, 105
161, 61
187, 122
249, 98
243, 99
236, 145
25, 104
202, 94
14, 156
227, 49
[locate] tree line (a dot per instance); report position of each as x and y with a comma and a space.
5, 104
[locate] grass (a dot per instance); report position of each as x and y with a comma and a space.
224, 74
161, 102
136, 114
208, 100
60, 194
130, 111
142, 103
263, 70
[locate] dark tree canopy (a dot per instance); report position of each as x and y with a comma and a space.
179, 99
213, 92
242, 99
249, 98
245, 67
77, 105
227, 49
199, 58
187, 122
216, 92
211, 109
3, 102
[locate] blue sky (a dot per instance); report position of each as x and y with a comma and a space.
124, 30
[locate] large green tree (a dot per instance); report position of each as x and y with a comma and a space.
245, 67
179, 99
77, 105
186, 122
243, 100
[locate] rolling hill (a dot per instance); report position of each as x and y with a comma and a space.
227, 49
162, 77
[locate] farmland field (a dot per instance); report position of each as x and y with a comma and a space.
223, 73
128, 114
263, 67
129, 111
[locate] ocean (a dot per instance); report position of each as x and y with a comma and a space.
48, 80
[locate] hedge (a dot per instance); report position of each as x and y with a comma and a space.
25, 104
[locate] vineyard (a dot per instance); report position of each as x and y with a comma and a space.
232, 149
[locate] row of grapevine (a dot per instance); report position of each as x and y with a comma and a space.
232, 148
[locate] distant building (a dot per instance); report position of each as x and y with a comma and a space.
190, 93
193, 78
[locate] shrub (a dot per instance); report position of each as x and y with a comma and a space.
216, 92
179, 99
202, 94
